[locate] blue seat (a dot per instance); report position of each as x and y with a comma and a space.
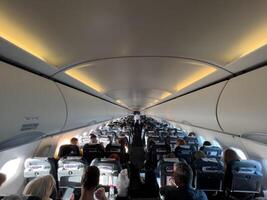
185, 152
165, 170
245, 176
212, 151
209, 174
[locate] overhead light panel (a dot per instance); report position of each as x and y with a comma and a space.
85, 79
194, 77
165, 95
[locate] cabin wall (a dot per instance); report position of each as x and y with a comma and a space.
14, 171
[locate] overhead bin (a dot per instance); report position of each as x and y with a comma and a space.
198, 108
243, 104
29, 104
84, 109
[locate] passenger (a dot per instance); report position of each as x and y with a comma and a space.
90, 181
198, 155
2, 179
41, 187
182, 181
229, 157
192, 134
74, 141
179, 142
93, 140
205, 144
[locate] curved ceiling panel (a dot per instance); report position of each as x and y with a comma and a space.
139, 78
64, 33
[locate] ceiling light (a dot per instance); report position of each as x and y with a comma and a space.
193, 78
21, 46
84, 78
165, 94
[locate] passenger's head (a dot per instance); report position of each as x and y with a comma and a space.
93, 138
198, 155
41, 187
192, 134
183, 174
207, 143
115, 156
180, 141
170, 155
230, 155
2, 178
74, 141
90, 178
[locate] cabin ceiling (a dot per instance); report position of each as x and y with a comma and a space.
134, 53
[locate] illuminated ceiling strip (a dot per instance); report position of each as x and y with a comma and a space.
165, 94
83, 78
21, 46
198, 75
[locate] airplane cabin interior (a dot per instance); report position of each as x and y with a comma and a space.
163, 99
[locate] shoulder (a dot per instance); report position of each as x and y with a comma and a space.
200, 195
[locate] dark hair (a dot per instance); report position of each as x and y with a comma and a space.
73, 140
92, 136
90, 178
183, 173
206, 143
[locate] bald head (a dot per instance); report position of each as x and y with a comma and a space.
2, 178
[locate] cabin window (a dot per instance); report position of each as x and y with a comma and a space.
10, 168
240, 153
201, 139
216, 144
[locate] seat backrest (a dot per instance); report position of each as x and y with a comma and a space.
185, 152
92, 151
191, 140
161, 149
37, 166
113, 149
212, 151
245, 176
70, 171
68, 150
209, 174
165, 170
109, 170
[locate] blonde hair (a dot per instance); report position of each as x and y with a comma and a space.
41, 187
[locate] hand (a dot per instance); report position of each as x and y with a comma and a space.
72, 197
100, 194
172, 182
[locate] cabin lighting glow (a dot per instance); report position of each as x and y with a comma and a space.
62, 142
194, 77
84, 79
10, 168
21, 46
165, 95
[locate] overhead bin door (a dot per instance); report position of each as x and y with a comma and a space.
29, 104
243, 104
84, 109
198, 108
